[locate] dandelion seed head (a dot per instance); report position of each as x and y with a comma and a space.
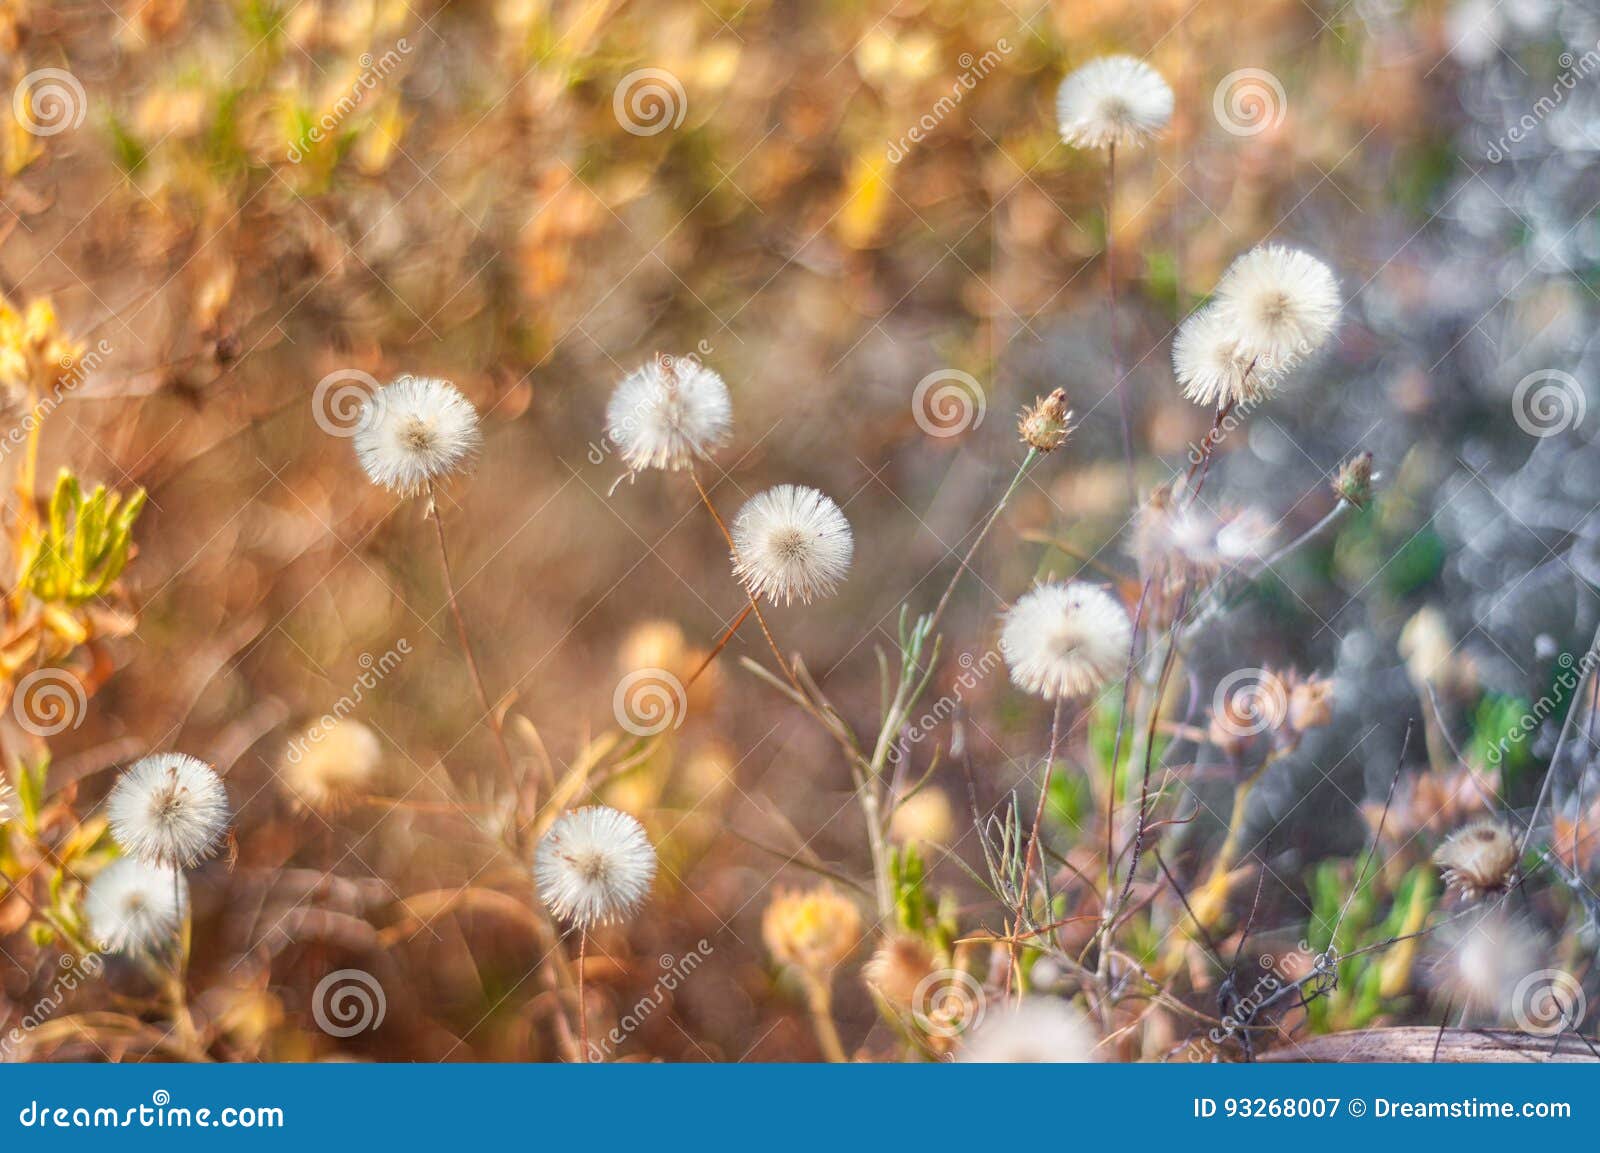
594, 866
327, 768
416, 431
1479, 859
1065, 640
1282, 305
1212, 367
1181, 541
168, 810
791, 543
1113, 100
667, 413
132, 907
1041, 1030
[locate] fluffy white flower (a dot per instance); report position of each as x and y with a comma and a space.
1113, 100
133, 907
1209, 363
1065, 640
329, 765
415, 431
668, 412
169, 809
1039, 1031
1282, 304
789, 542
595, 865
8, 800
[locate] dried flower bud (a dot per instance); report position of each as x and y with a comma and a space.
1479, 859
1353, 481
898, 969
1310, 702
1046, 423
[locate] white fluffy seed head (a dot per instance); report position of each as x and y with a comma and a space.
1281, 304
416, 431
1113, 100
8, 801
1041, 1030
667, 413
594, 866
168, 810
1211, 365
133, 907
1065, 640
791, 542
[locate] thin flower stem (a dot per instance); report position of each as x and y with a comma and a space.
489, 712
966, 561
583, 1008
705, 499
820, 1001
1033, 837
727, 635
1111, 294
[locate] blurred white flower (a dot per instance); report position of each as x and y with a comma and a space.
133, 907
325, 769
791, 542
1281, 303
1113, 100
168, 809
416, 431
1065, 640
1039, 1031
668, 412
8, 800
594, 866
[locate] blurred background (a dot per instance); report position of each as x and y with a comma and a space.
231, 202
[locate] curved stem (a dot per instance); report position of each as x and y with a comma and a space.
489, 712
820, 1002
705, 499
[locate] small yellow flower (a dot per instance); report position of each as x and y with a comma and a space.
812, 930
